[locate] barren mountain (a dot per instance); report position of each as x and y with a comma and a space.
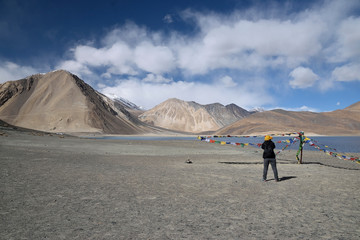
225, 115
61, 102
354, 107
192, 117
339, 122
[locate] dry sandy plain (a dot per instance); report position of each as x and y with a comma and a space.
70, 188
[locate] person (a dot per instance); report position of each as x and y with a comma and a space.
269, 157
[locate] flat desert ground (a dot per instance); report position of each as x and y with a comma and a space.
54, 187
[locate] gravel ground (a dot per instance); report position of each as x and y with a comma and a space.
61, 187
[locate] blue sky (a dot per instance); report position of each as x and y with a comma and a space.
295, 55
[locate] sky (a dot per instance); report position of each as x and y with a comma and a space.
294, 55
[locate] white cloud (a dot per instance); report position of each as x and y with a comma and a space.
130, 33
74, 67
234, 41
302, 78
252, 43
346, 73
350, 37
221, 42
10, 71
128, 50
347, 44
266, 37
230, 42
148, 94
154, 59
118, 58
326, 84
153, 78
227, 81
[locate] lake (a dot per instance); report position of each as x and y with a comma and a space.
340, 143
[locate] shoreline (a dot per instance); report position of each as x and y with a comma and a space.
197, 135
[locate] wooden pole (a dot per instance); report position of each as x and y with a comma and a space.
301, 134
302, 146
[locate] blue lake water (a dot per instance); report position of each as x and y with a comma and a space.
341, 144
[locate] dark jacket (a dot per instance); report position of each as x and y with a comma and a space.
268, 147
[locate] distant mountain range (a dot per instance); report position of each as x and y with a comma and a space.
61, 102
339, 122
192, 117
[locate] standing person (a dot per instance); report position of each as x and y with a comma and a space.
269, 157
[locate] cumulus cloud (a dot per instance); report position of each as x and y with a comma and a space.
347, 44
11, 71
233, 41
252, 43
148, 94
221, 42
246, 45
74, 67
154, 78
242, 57
346, 73
326, 84
116, 58
119, 56
154, 59
227, 81
302, 78
129, 33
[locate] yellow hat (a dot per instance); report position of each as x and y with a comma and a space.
267, 137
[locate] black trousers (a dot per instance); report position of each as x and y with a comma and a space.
272, 161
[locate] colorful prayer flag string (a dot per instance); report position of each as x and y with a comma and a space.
330, 153
288, 141
248, 136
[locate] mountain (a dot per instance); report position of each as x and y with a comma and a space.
61, 102
339, 122
225, 115
354, 107
192, 117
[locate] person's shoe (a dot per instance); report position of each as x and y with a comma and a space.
263, 180
277, 180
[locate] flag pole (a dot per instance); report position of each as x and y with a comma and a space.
300, 151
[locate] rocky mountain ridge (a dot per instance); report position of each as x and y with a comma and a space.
192, 117
338, 122
61, 102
